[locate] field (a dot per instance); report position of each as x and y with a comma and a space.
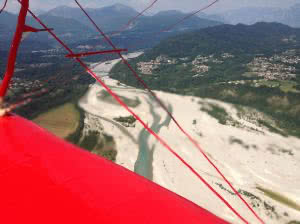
285, 86
61, 121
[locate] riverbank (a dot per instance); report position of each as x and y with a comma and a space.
248, 154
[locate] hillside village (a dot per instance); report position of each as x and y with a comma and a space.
277, 67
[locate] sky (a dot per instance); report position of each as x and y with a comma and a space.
183, 5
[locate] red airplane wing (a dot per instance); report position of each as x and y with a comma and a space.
46, 180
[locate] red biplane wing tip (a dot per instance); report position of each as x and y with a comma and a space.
46, 180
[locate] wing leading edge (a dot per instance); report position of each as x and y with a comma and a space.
46, 180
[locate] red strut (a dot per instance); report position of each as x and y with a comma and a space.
84, 54
14, 49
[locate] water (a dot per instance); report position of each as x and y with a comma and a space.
143, 164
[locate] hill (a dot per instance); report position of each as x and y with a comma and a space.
109, 18
68, 29
164, 19
290, 16
69, 23
116, 16
256, 66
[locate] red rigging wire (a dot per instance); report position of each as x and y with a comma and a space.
3, 7
167, 111
139, 119
177, 23
188, 16
31, 29
125, 27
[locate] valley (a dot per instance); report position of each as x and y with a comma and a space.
233, 88
250, 155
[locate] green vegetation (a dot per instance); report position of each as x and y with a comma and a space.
75, 137
100, 144
217, 112
66, 83
255, 202
90, 141
126, 121
61, 121
234, 140
294, 222
106, 97
271, 128
106, 148
228, 78
280, 198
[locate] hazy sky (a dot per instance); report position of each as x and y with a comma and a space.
184, 5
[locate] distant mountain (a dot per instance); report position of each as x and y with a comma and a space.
68, 29
109, 18
253, 15
218, 18
164, 19
7, 25
74, 27
239, 39
116, 16
8, 19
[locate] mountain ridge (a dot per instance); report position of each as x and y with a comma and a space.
251, 15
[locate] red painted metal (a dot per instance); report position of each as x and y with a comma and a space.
46, 180
34, 30
14, 49
84, 54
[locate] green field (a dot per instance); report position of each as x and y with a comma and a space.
285, 86
61, 121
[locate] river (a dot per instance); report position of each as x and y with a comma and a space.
143, 164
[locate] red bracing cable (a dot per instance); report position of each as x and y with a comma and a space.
177, 23
172, 117
125, 27
139, 119
84, 54
4, 5
134, 18
14, 49
188, 16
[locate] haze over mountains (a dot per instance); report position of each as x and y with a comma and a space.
251, 15
73, 26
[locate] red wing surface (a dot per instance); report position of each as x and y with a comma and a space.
50, 181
